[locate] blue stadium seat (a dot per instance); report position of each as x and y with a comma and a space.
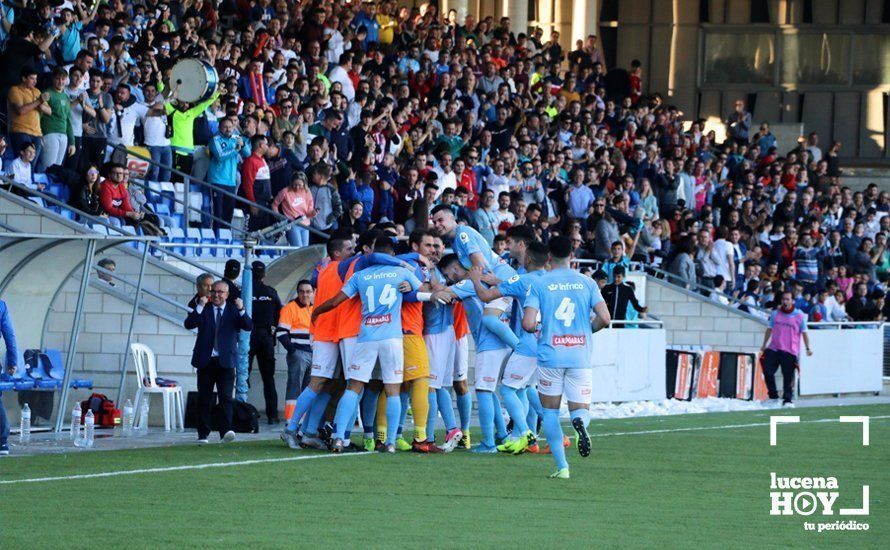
162, 209
69, 214
35, 372
20, 380
99, 228
223, 236
6, 384
193, 235
130, 230
208, 237
176, 219
237, 252
56, 370
154, 191
177, 235
40, 178
113, 221
168, 193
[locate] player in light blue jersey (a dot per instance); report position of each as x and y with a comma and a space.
470, 247
380, 337
438, 335
558, 308
522, 365
519, 238
494, 342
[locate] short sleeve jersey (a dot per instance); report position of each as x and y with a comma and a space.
485, 339
468, 241
381, 300
412, 310
564, 299
517, 287
436, 317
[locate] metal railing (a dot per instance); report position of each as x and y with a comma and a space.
837, 325
886, 350
98, 220
283, 248
146, 291
187, 180
673, 279
188, 208
648, 322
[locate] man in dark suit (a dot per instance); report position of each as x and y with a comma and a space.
618, 295
216, 355
860, 307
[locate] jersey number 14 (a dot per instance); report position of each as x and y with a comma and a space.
565, 312
387, 297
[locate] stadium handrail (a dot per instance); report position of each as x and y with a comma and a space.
188, 178
281, 220
649, 321
673, 279
285, 248
149, 292
99, 220
846, 324
188, 207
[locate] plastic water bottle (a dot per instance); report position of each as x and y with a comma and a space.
143, 417
25, 433
129, 416
75, 424
88, 429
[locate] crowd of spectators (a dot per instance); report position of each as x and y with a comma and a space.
349, 115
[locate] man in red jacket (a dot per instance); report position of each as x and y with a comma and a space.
114, 197
256, 185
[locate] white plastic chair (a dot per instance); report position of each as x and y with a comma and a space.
146, 370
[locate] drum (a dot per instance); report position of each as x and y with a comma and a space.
193, 80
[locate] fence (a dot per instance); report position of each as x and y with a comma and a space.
847, 358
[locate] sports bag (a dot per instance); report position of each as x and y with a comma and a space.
106, 415
245, 418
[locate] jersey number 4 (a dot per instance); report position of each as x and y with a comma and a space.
387, 297
565, 312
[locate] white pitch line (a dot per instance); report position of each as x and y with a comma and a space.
178, 468
310, 457
722, 427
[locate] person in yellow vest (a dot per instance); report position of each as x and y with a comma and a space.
293, 333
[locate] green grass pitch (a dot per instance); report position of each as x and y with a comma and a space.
692, 481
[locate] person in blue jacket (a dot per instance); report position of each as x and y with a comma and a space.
361, 191
224, 149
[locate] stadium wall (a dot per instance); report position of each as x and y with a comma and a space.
692, 319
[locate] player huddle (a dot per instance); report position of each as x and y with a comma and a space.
399, 327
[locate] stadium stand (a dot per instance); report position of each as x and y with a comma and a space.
578, 150
505, 127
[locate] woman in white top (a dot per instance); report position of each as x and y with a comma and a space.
836, 309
